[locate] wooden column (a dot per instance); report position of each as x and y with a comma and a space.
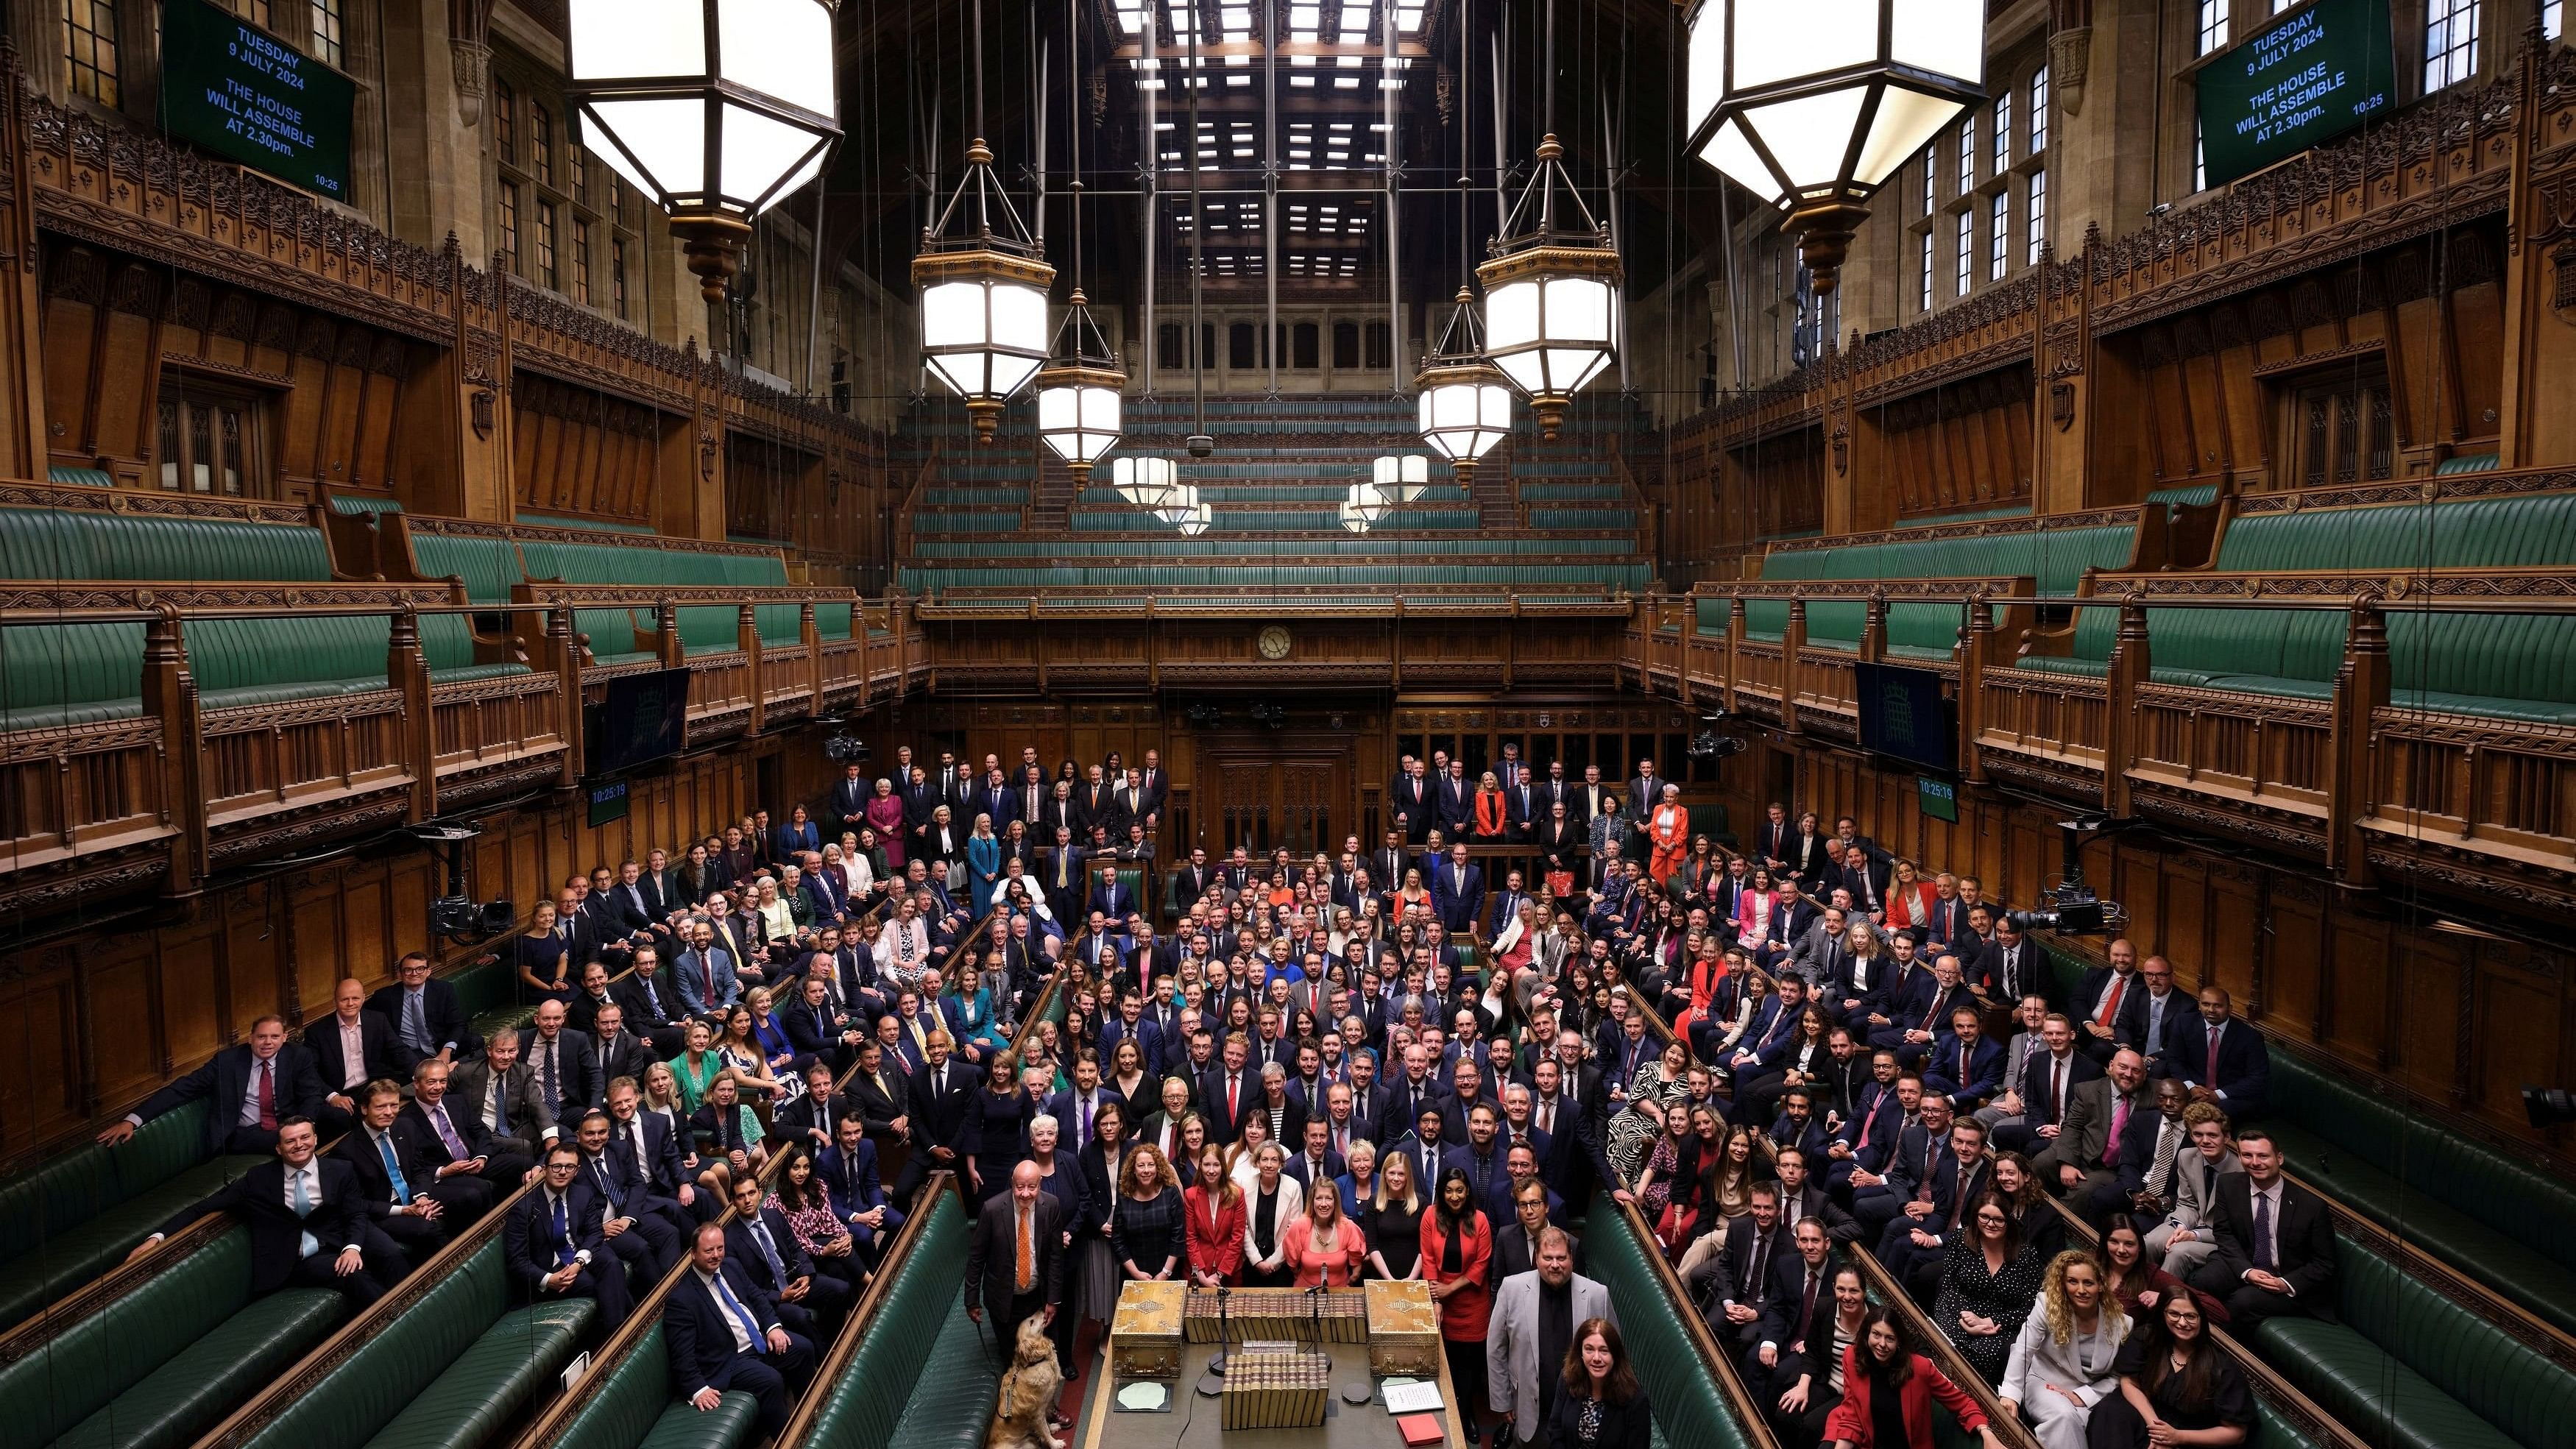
1793, 638
170, 697
2362, 686
2129, 665
1974, 641
22, 375
407, 671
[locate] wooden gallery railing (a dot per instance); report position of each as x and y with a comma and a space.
168, 791
2350, 772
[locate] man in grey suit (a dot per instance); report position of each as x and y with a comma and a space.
1535, 1315
2084, 1156
2183, 1239
501, 1091
1817, 955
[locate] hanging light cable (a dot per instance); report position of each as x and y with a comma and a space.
1080, 387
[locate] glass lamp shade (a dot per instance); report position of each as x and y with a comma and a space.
1351, 517
1465, 410
1400, 477
1551, 320
983, 325
1198, 521
714, 108
1814, 106
1144, 482
1078, 413
1368, 502
1180, 504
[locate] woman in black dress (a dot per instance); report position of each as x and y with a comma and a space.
1989, 1283
2172, 1377
543, 959
1599, 1403
1147, 1233
1393, 1219
996, 1119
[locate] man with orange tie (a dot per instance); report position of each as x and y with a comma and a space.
1015, 1259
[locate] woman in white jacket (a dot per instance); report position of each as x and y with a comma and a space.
2061, 1364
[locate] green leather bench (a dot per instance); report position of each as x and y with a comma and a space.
704, 629
634, 1408
2499, 666
2056, 558
862, 1407
952, 1408
1691, 1410
2492, 1216
2409, 1369
489, 997
77, 1215
447, 1373
166, 1362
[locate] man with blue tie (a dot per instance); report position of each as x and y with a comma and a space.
404, 1196
722, 1335
644, 1238
306, 1223
760, 1241
427, 1016
1111, 898
553, 1246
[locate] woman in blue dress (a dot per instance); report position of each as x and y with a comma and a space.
983, 863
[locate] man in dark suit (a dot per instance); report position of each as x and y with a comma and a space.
1458, 891
500, 1090
1801, 1198
621, 1053
249, 1089
2083, 1163
815, 1029
1414, 806
759, 1240
881, 1094
1800, 1310
1963, 1063
1732, 1275
849, 804
653, 1006
352, 1047
2037, 1104
403, 1195
2275, 1242
811, 1116
1015, 1257
448, 1133
1772, 838
660, 1155
308, 1223
2110, 1005
1933, 1204
427, 1017
942, 1091
2221, 1060
1315, 1162
1866, 879
722, 1334
647, 1239
562, 1062
1110, 896
1229, 1092
553, 1246
848, 1171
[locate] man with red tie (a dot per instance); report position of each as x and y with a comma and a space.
251, 1087
1228, 1094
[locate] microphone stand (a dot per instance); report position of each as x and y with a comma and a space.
1216, 1365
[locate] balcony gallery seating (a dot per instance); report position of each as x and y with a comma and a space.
987, 524
490, 565
2515, 667
75, 1216
2056, 559
72, 674
165, 1361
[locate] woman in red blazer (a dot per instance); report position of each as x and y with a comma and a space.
1213, 1211
1457, 1260
1910, 899
1889, 1390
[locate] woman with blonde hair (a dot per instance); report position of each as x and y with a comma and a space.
1323, 1248
1493, 815
2062, 1362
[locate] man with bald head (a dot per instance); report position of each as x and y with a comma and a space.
1015, 1258
352, 1047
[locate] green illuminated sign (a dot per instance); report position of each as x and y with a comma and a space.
2307, 77
237, 90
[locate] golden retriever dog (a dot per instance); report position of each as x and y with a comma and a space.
1029, 1389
